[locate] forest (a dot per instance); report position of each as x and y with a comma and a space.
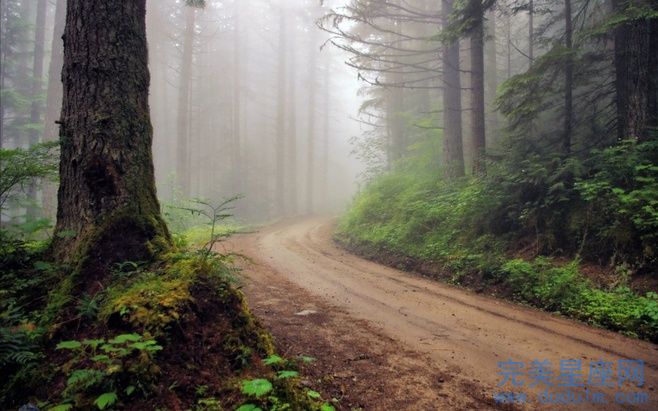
328, 204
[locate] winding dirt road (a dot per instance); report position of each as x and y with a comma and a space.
386, 339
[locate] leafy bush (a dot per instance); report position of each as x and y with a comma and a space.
19, 167
600, 209
274, 393
621, 195
100, 368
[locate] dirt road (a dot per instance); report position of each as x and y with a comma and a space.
386, 339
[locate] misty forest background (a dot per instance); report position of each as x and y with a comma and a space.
507, 146
242, 101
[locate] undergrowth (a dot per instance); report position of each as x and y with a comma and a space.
478, 228
175, 333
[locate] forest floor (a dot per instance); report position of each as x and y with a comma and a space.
387, 339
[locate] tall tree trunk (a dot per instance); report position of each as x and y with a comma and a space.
4, 51
164, 123
291, 133
453, 150
531, 32
35, 95
395, 112
280, 148
633, 75
183, 125
394, 109
477, 89
310, 147
37, 68
54, 92
491, 77
236, 150
324, 162
653, 76
508, 41
568, 80
107, 199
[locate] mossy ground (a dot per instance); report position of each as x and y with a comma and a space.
186, 302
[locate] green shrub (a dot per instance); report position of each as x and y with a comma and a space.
471, 225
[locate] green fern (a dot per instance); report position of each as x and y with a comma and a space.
256, 388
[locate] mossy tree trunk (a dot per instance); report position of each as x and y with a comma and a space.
108, 210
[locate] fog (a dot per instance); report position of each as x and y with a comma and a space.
247, 99
293, 104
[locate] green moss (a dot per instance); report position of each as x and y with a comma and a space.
152, 303
99, 248
169, 297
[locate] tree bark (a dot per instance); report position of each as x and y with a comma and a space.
453, 150
291, 133
54, 102
4, 52
236, 150
477, 89
568, 80
35, 94
37, 68
279, 148
310, 148
54, 92
491, 77
395, 109
653, 76
107, 210
632, 72
324, 162
508, 45
183, 126
531, 32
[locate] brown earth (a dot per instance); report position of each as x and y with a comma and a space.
386, 339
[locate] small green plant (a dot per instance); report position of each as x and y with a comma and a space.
209, 404
214, 215
89, 305
286, 374
306, 359
273, 359
270, 394
201, 390
18, 347
119, 364
105, 400
127, 269
256, 387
